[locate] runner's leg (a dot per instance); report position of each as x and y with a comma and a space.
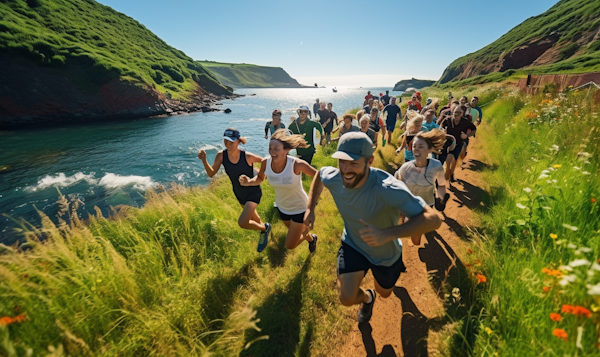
381, 291
450, 163
349, 291
249, 218
297, 233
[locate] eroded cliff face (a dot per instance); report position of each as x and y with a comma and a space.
31, 94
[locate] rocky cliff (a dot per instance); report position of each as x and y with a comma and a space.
242, 75
412, 83
565, 38
71, 60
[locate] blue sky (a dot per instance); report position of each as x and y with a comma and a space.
333, 43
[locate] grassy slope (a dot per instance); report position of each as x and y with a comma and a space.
61, 32
242, 75
570, 18
527, 210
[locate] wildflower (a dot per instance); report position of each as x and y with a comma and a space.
593, 200
557, 166
555, 317
573, 228
546, 289
527, 189
551, 272
579, 335
470, 250
7, 320
488, 330
593, 289
480, 279
579, 262
521, 206
576, 310
560, 333
553, 236
566, 279
477, 262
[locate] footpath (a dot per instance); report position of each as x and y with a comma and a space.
413, 321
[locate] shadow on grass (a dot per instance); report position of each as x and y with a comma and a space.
276, 251
472, 197
279, 318
219, 292
447, 272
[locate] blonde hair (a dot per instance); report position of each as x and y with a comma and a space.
365, 118
243, 140
289, 140
435, 139
415, 121
348, 116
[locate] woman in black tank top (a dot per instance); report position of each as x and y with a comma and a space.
237, 163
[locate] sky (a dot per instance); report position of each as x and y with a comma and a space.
333, 43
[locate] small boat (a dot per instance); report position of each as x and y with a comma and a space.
334, 90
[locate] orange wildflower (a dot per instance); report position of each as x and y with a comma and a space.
560, 333
551, 272
7, 320
593, 200
555, 317
480, 279
576, 310
546, 289
470, 251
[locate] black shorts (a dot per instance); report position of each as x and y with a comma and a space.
456, 153
252, 197
349, 260
298, 218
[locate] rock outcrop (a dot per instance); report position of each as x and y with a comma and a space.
412, 83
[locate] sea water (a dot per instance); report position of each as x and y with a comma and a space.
114, 163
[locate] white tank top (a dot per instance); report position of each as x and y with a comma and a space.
289, 193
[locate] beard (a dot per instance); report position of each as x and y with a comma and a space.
357, 178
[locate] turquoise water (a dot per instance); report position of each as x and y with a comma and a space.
109, 164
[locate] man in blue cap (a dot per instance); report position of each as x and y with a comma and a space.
370, 201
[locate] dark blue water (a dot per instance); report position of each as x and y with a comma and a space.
109, 164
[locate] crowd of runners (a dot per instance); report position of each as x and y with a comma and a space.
378, 208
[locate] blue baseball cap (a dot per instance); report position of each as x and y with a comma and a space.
231, 134
354, 145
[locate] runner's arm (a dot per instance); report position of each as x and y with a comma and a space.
267, 129
425, 222
211, 170
316, 188
301, 166
318, 126
256, 180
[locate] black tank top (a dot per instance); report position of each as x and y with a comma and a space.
234, 171
374, 125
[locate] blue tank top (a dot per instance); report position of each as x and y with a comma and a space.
234, 171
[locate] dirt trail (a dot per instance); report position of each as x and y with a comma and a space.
405, 324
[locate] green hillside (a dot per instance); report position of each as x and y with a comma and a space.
74, 32
564, 39
242, 75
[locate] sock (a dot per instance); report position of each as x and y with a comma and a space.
369, 296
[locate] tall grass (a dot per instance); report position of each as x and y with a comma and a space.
541, 242
176, 277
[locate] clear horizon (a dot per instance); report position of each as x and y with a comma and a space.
333, 43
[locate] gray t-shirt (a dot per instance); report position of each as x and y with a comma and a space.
421, 180
343, 130
379, 202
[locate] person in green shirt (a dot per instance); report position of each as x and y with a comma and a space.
303, 126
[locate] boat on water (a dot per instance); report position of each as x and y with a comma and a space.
334, 90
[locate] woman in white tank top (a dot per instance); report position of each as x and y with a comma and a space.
284, 173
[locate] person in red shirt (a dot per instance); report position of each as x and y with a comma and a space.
368, 96
415, 103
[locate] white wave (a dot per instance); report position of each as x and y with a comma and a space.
138, 182
205, 147
264, 120
61, 180
182, 176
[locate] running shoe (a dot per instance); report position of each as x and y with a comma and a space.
366, 310
263, 240
312, 246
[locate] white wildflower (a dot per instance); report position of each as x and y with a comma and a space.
579, 335
547, 208
571, 246
554, 148
585, 249
576, 168
586, 173
573, 228
527, 189
579, 262
566, 279
565, 268
595, 266
593, 289
521, 206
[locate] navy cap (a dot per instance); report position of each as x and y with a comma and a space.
231, 134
